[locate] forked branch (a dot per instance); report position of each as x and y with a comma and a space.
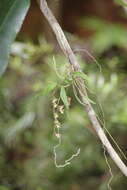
65, 47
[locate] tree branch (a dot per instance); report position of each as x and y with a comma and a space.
80, 84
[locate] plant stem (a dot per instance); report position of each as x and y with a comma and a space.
65, 47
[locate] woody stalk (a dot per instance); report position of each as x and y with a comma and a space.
74, 66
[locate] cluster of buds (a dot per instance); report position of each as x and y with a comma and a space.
56, 110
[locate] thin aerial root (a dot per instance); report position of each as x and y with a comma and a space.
57, 125
76, 96
66, 162
74, 155
111, 137
55, 68
90, 55
110, 170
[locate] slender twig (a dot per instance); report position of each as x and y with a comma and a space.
65, 47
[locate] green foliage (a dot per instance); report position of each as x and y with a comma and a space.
63, 97
106, 34
81, 74
121, 2
49, 88
12, 13
3, 187
26, 122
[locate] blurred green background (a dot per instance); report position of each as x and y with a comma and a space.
26, 115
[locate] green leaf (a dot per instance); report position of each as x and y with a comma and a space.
12, 14
63, 97
81, 74
50, 87
3, 187
46, 90
121, 2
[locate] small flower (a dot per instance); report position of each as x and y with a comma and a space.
61, 109
56, 122
54, 100
58, 135
56, 116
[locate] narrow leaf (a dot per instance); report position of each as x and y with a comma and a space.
12, 14
81, 74
86, 99
63, 97
91, 101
